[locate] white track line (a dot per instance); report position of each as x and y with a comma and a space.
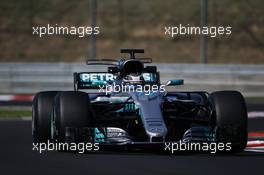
6, 97
254, 150
26, 118
256, 114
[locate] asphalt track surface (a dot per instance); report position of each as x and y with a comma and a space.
17, 157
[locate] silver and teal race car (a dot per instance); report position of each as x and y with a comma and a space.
129, 107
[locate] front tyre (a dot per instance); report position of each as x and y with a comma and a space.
71, 109
41, 115
230, 118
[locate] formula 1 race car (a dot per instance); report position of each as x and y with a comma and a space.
131, 107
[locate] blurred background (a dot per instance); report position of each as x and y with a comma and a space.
129, 24
29, 64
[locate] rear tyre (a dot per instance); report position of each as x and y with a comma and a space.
230, 118
71, 109
41, 115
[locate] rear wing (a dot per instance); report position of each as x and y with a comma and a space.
95, 80
113, 62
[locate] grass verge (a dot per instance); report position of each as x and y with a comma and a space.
9, 113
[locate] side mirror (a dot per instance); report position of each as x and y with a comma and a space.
150, 69
175, 82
